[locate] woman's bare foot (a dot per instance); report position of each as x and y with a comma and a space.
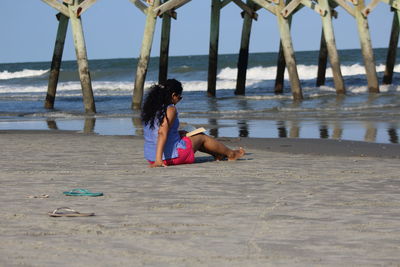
236, 154
219, 157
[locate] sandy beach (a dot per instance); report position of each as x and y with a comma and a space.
289, 202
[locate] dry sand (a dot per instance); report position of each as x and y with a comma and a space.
337, 204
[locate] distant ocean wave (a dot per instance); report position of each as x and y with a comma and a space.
115, 88
68, 86
119, 81
26, 73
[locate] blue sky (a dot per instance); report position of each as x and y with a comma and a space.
114, 29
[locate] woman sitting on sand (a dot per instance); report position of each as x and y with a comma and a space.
164, 144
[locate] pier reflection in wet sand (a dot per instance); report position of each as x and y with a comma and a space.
263, 129
357, 131
379, 132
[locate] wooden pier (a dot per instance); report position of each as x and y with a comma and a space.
72, 10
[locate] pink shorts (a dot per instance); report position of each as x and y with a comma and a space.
185, 156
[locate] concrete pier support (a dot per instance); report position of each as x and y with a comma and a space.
280, 71
164, 48
144, 57
331, 47
281, 66
56, 61
81, 57
391, 54
284, 30
322, 61
366, 47
244, 51
213, 51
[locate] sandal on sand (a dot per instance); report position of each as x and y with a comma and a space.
82, 192
67, 212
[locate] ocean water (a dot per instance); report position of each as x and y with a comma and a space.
358, 115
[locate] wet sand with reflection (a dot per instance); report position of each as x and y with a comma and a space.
367, 131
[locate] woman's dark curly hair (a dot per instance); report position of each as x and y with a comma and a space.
157, 100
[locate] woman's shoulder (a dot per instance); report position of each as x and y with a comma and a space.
171, 113
171, 105
172, 108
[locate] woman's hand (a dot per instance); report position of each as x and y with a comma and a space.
157, 164
162, 136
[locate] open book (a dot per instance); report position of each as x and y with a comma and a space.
191, 130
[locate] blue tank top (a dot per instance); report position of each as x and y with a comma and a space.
174, 141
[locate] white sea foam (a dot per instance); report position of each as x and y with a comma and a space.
68, 86
126, 88
305, 72
257, 77
6, 75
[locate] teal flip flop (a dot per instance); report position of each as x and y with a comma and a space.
82, 192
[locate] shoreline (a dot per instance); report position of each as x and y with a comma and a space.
307, 146
268, 208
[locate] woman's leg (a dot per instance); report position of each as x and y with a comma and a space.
215, 155
212, 146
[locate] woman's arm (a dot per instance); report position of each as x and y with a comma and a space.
163, 134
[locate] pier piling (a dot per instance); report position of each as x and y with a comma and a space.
164, 47
333, 55
287, 47
392, 50
280, 71
281, 66
322, 61
81, 57
244, 50
366, 47
144, 57
56, 61
213, 50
